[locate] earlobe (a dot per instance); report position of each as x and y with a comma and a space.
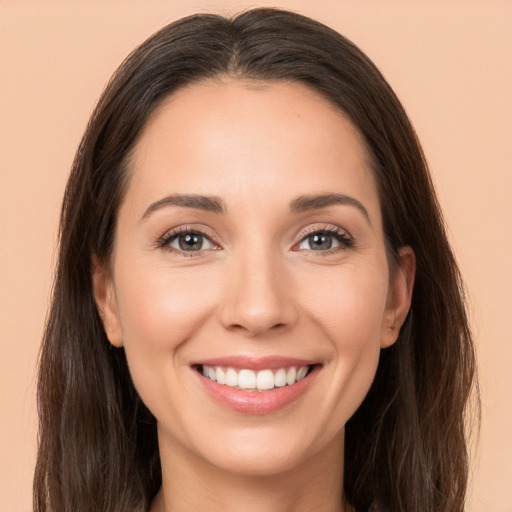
106, 301
399, 296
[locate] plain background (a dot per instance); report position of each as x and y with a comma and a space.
450, 64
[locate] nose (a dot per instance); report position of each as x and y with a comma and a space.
258, 298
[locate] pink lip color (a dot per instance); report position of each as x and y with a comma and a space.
257, 402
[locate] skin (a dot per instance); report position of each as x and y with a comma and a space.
257, 289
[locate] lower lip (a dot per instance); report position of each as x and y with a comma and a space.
257, 402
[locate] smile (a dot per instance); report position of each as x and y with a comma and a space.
256, 386
247, 379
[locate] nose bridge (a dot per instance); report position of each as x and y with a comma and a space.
256, 298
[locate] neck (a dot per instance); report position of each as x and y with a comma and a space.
191, 483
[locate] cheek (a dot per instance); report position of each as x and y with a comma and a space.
349, 311
160, 308
349, 304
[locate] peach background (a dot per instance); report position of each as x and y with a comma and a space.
450, 63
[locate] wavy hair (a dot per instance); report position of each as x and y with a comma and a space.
406, 446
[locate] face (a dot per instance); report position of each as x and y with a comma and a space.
249, 283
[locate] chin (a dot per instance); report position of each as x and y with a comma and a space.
258, 461
268, 451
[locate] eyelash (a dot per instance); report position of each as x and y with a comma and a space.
341, 236
165, 241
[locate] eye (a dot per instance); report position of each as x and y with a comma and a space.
325, 240
187, 241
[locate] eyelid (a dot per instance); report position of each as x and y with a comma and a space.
327, 228
169, 235
344, 238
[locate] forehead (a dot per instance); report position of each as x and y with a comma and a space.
212, 107
244, 138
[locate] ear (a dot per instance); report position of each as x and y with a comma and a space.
106, 301
399, 296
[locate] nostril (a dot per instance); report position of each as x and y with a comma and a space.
255, 329
253, 313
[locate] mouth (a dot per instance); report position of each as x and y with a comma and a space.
256, 386
246, 379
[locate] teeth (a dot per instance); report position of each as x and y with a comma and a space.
263, 380
301, 373
290, 376
231, 378
246, 379
280, 378
220, 376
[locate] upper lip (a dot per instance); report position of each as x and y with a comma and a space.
255, 363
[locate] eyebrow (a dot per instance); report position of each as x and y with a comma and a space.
306, 203
216, 205
207, 203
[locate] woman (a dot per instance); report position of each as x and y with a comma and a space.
256, 306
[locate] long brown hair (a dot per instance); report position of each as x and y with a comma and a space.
406, 445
